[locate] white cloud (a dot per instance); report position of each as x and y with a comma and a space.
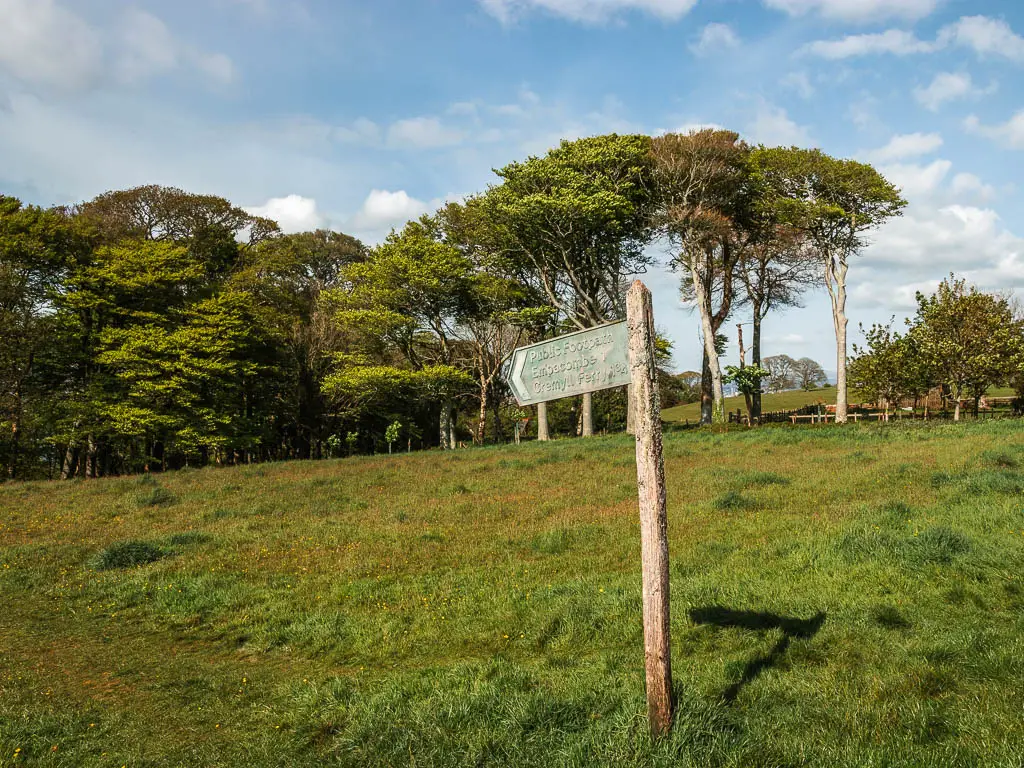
1010, 134
905, 145
857, 10
944, 87
383, 210
147, 46
931, 241
772, 126
715, 39
863, 113
894, 41
422, 132
969, 185
985, 36
41, 42
799, 82
940, 231
361, 131
52, 152
587, 11
293, 213
917, 181
217, 66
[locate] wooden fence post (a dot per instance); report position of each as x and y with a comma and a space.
650, 478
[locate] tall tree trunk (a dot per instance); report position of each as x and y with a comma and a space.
702, 292
542, 422
67, 471
90, 459
956, 410
498, 429
445, 426
588, 414
707, 398
836, 269
481, 424
755, 359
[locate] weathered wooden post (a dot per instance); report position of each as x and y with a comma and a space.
605, 357
650, 479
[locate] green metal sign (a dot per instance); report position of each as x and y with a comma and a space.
581, 362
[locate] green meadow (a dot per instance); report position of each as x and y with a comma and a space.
841, 596
790, 400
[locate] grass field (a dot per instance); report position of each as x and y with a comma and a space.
778, 401
841, 597
783, 401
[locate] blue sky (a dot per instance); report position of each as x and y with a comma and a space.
359, 115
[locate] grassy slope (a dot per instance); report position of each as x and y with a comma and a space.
780, 401
846, 596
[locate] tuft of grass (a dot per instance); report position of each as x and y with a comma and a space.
129, 554
733, 501
552, 542
890, 617
1001, 459
147, 492
940, 544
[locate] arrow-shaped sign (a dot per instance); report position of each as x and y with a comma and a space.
574, 364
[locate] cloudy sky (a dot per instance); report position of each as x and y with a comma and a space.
358, 115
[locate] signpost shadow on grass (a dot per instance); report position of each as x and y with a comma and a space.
757, 621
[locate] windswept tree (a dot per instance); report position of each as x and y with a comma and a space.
776, 267
700, 179
781, 373
208, 224
577, 220
808, 374
834, 204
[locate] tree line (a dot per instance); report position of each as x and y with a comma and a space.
154, 328
961, 340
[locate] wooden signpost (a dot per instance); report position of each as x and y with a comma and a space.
616, 355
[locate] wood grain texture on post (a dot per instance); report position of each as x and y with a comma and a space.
650, 479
